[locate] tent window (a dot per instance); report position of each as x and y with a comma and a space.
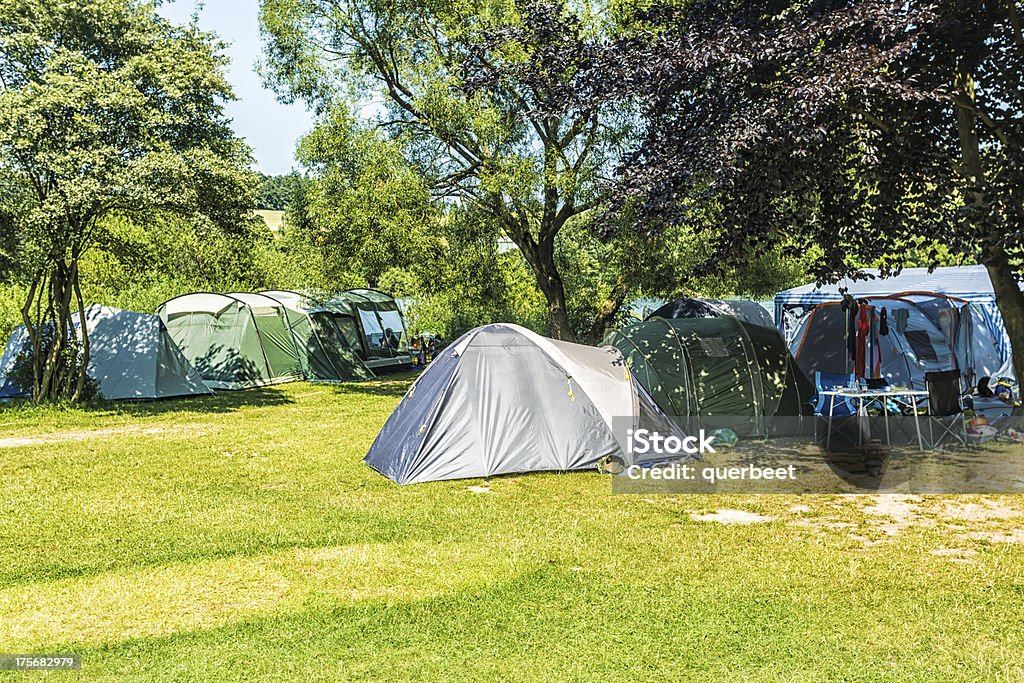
393, 320
714, 347
922, 345
371, 327
347, 325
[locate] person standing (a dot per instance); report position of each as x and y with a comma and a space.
416, 346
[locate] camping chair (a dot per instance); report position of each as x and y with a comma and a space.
831, 406
834, 406
945, 406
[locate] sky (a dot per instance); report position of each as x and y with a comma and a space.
268, 126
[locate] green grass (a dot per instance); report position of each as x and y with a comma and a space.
240, 538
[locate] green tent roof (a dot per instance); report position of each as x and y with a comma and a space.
716, 372
235, 341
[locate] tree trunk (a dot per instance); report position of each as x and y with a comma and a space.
1009, 298
58, 370
550, 282
84, 330
1010, 301
541, 258
32, 330
606, 313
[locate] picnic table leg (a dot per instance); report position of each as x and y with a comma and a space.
828, 432
860, 432
885, 411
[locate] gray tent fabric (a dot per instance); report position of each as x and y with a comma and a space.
968, 283
131, 357
504, 400
925, 333
18, 343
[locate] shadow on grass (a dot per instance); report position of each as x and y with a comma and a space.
137, 552
356, 634
394, 385
480, 630
221, 402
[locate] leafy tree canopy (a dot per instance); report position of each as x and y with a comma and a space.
480, 146
276, 192
105, 109
846, 132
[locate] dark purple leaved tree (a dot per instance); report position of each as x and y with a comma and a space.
855, 132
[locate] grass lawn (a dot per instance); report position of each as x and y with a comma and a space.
240, 537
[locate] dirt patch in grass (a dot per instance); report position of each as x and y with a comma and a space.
962, 555
1011, 536
877, 519
58, 437
899, 508
983, 511
87, 434
732, 517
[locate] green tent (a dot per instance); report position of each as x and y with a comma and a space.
326, 354
374, 326
235, 341
717, 372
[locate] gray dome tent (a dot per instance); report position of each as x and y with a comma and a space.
131, 357
502, 399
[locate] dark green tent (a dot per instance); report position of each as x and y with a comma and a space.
374, 326
325, 351
717, 372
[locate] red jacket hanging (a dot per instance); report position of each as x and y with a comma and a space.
863, 328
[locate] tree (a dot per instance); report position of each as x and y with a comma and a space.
278, 191
365, 209
367, 217
479, 145
105, 109
850, 132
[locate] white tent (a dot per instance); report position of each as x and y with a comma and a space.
131, 356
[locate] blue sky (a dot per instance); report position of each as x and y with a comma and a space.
270, 128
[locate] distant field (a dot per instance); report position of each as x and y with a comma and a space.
239, 538
273, 219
